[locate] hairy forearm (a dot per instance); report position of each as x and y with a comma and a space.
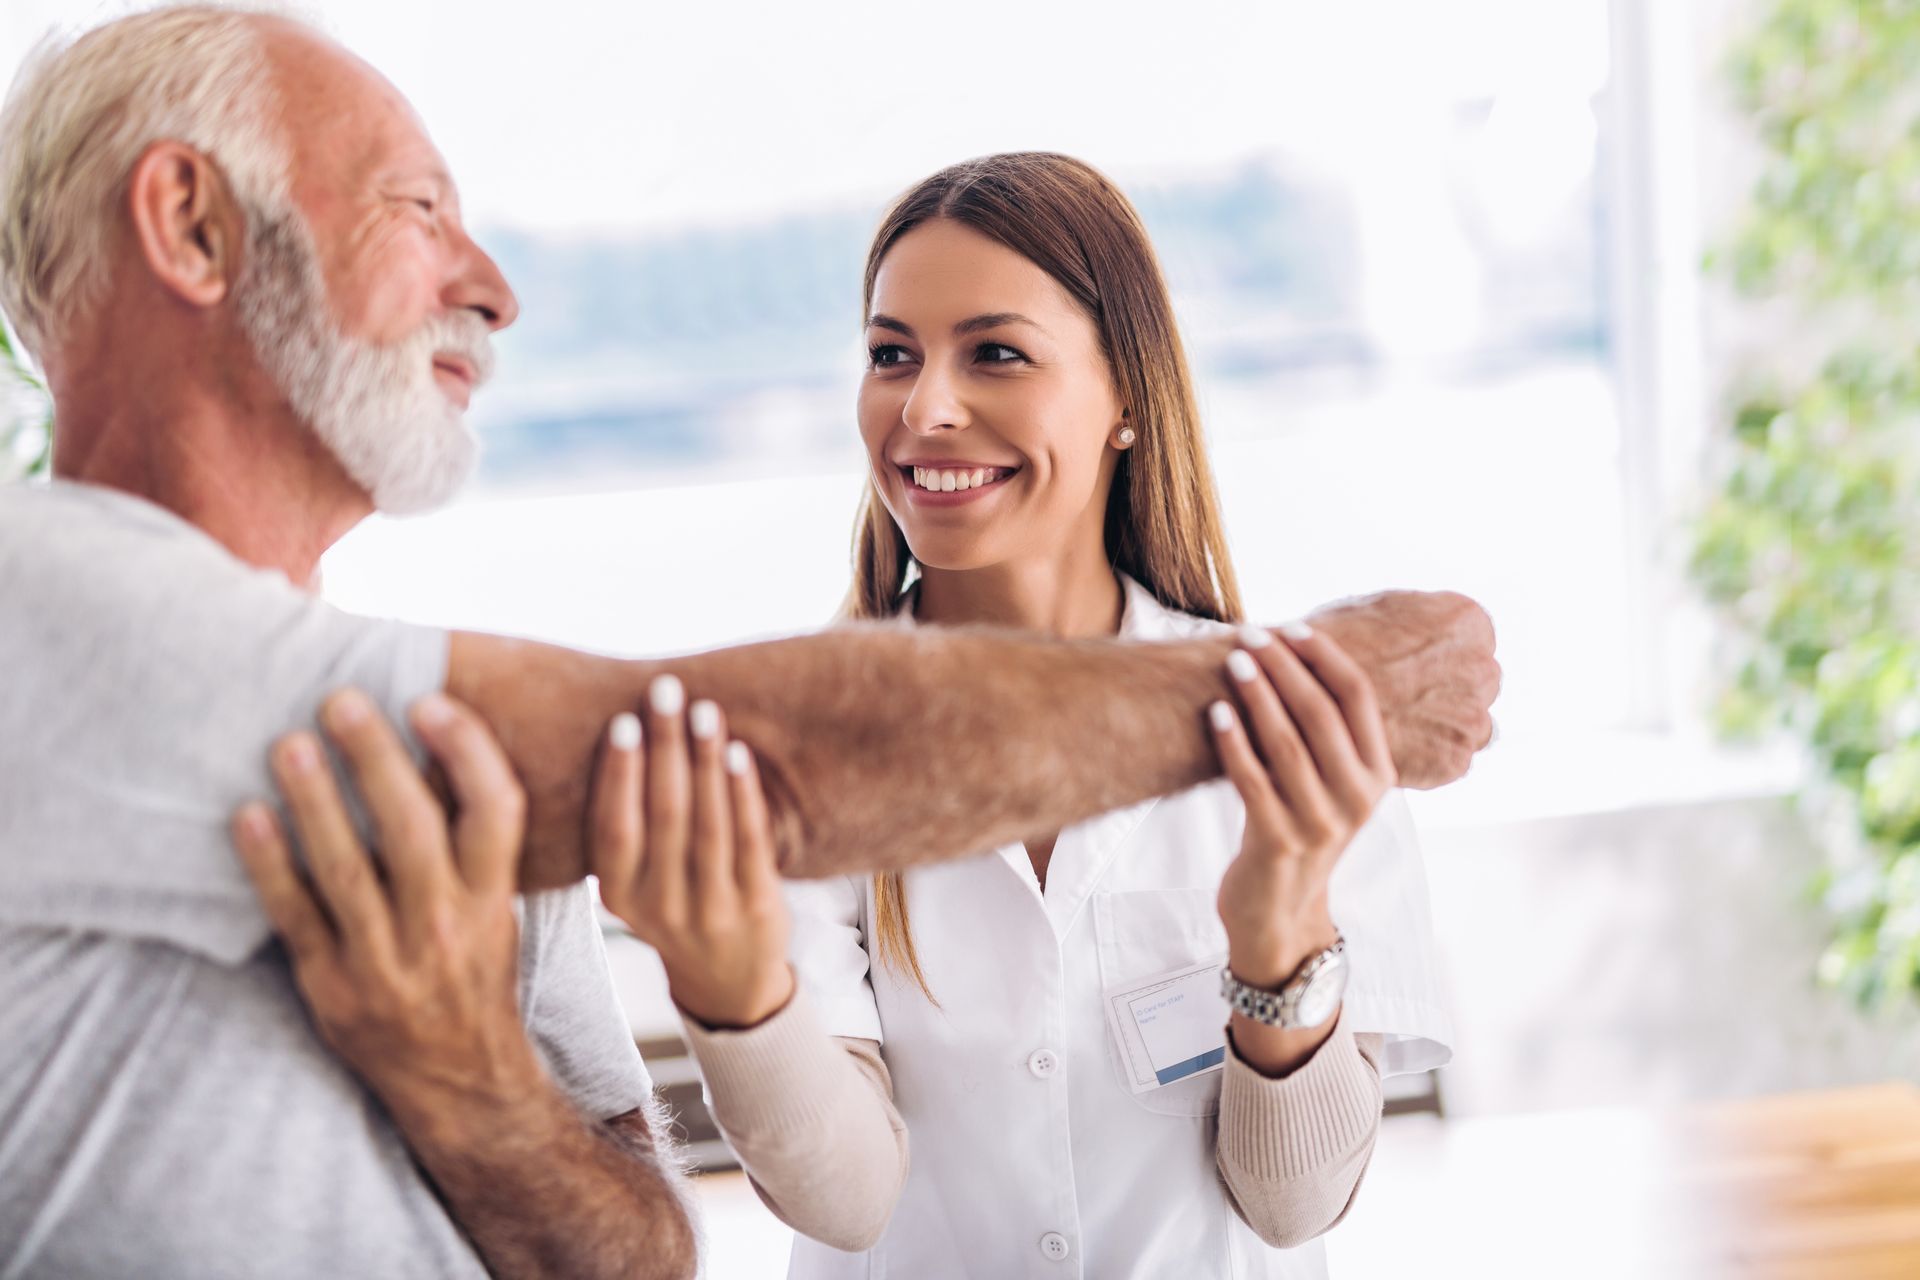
542, 1191
879, 747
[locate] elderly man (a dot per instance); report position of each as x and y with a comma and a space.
241, 263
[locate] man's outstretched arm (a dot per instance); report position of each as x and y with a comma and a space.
882, 747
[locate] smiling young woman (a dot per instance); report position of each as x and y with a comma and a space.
1162, 523
1150, 1044
1056, 230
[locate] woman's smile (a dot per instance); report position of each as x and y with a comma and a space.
936, 484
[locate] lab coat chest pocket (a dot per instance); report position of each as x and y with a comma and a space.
1145, 932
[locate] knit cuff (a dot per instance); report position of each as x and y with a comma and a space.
785, 1074
1291, 1127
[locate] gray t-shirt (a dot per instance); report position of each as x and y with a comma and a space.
165, 1107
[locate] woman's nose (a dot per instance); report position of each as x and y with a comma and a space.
933, 406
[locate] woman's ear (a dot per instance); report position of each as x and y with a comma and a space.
184, 222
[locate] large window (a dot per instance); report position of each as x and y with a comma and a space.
1383, 222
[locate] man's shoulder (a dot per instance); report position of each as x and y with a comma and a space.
67, 536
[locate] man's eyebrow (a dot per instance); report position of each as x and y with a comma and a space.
435, 175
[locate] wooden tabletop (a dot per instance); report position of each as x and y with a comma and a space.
1809, 1186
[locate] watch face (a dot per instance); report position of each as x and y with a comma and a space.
1322, 996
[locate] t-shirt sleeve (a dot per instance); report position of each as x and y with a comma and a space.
570, 1006
144, 672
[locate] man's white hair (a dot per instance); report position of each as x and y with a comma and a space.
82, 111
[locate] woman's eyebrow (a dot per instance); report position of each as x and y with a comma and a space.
993, 320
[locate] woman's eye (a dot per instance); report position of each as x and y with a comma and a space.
997, 353
886, 355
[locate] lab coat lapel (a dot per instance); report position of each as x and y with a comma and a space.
1081, 857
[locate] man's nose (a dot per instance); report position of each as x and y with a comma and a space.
480, 286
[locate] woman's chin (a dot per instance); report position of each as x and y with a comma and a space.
949, 555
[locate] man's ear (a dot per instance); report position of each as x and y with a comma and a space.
184, 222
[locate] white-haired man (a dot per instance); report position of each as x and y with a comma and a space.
241, 263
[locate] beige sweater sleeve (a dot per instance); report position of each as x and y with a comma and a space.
812, 1120
1292, 1151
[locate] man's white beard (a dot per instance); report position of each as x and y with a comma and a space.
377, 408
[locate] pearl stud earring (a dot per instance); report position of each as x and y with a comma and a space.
1126, 435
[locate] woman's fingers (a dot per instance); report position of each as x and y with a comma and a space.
1244, 770
713, 853
1290, 765
491, 805
617, 843
669, 800
269, 863
1321, 722
1352, 689
342, 873
755, 868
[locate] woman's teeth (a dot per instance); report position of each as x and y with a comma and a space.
947, 481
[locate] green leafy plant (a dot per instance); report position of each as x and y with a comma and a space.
26, 416
1811, 545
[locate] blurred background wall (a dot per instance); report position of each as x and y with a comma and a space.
1526, 299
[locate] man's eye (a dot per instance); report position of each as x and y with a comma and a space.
886, 355
997, 353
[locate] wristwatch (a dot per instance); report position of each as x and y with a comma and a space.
1305, 1000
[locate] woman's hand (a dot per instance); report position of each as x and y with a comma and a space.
1314, 769
691, 868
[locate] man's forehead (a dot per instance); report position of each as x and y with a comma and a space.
342, 115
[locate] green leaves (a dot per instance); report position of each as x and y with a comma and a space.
1811, 546
26, 416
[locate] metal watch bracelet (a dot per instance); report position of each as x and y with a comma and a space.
1281, 1008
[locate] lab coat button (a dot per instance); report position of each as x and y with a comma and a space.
1054, 1245
1043, 1062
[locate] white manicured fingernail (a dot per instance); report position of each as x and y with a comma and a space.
1297, 630
1255, 637
705, 719
739, 759
624, 733
1221, 714
1242, 667
667, 695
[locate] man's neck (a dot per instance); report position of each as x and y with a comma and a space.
249, 476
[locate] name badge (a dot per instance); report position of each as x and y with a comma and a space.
1170, 1026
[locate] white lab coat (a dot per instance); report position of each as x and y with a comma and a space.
1026, 1143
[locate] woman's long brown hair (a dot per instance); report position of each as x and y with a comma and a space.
1163, 525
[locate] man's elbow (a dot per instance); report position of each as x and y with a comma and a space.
673, 1248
